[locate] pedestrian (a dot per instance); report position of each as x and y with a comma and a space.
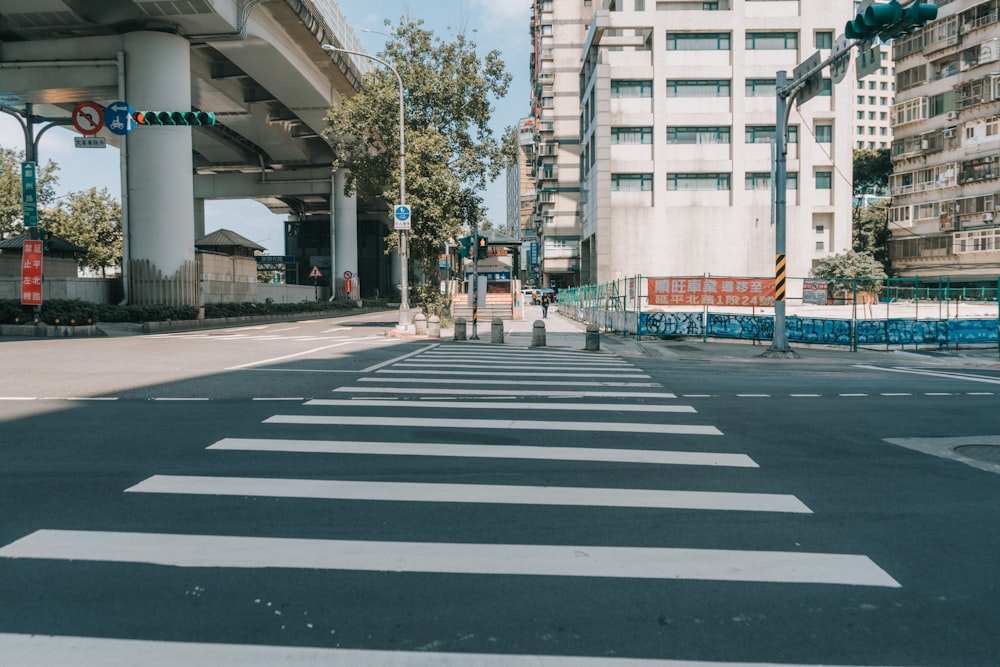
545, 305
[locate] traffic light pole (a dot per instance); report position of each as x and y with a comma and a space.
475, 282
785, 95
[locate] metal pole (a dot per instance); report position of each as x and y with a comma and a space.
404, 286
779, 340
475, 282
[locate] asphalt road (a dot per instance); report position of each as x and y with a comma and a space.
320, 493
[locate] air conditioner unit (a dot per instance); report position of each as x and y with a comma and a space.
987, 217
952, 115
949, 133
924, 144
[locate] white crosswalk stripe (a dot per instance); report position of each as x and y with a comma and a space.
436, 387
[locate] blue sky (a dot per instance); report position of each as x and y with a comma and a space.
492, 24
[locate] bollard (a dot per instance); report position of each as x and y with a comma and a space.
459, 328
538, 334
496, 330
593, 339
433, 327
420, 324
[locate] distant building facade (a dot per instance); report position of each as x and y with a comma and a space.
946, 149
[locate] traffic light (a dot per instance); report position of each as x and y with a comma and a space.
465, 246
482, 248
875, 21
917, 14
174, 118
46, 238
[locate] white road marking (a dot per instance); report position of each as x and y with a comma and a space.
753, 395
552, 393
501, 494
179, 550
507, 365
492, 372
67, 650
941, 374
180, 398
527, 383
645, 456
296, 354
498, 405
389, 362
482, 425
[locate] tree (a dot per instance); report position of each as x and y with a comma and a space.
872, 169
92, 220
11, 206
847, 267
451, 152
871, 230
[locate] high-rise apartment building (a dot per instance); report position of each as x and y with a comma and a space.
946, 150
874, 97
672, 135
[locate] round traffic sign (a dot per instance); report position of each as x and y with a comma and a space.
118, 117
348, 275
88, 118
402, 213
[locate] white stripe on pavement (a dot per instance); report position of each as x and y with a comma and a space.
496, 405
68, 650
939, 374
527, 383
180, 550
645, 456
492, 372
486, 424
500, 494
552, 393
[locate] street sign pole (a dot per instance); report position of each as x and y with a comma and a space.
475, 281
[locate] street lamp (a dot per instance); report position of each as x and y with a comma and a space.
404, 287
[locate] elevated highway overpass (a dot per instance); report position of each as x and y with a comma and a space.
259, 66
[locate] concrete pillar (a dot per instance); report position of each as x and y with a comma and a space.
433, 327
199, 218
420, 324
344, 234
496, 331
162, 267
592, 342
538, 334
460, 328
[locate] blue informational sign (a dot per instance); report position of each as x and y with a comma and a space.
118, 118
29, 198
402, 215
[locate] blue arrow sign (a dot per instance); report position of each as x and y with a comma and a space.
118, 117
402, 214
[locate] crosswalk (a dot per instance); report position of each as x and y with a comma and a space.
531, 396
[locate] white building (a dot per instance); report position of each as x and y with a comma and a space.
946, 153
675, 122
874, 97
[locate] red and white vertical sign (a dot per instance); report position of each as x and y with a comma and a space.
31, 273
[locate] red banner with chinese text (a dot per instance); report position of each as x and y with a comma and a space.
31, 273
721, 291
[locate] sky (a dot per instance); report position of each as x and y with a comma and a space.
492, 24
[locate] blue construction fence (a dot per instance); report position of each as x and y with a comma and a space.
620, 307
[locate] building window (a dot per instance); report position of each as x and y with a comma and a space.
698, 88
761, 88
698, 181
631, 135
761, 180
625, 88
631, 182
698, 135
764, 134
824, 39
761, 41
698, 41
824, 134
710, 6
824, 180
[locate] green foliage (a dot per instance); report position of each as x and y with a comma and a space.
451, 152
11, 207
848, 267
213, 310
90, 219
871, 231
872, 169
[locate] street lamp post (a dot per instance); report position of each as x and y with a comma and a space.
404, 287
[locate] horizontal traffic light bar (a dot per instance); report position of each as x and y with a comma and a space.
889, 20
174, 118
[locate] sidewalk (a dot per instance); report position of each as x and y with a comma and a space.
568, 334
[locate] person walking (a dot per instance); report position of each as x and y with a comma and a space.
545, 305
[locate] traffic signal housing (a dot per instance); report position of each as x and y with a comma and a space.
465, 246
875, 21
174, 118
46, 238
918, 14
482, 248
